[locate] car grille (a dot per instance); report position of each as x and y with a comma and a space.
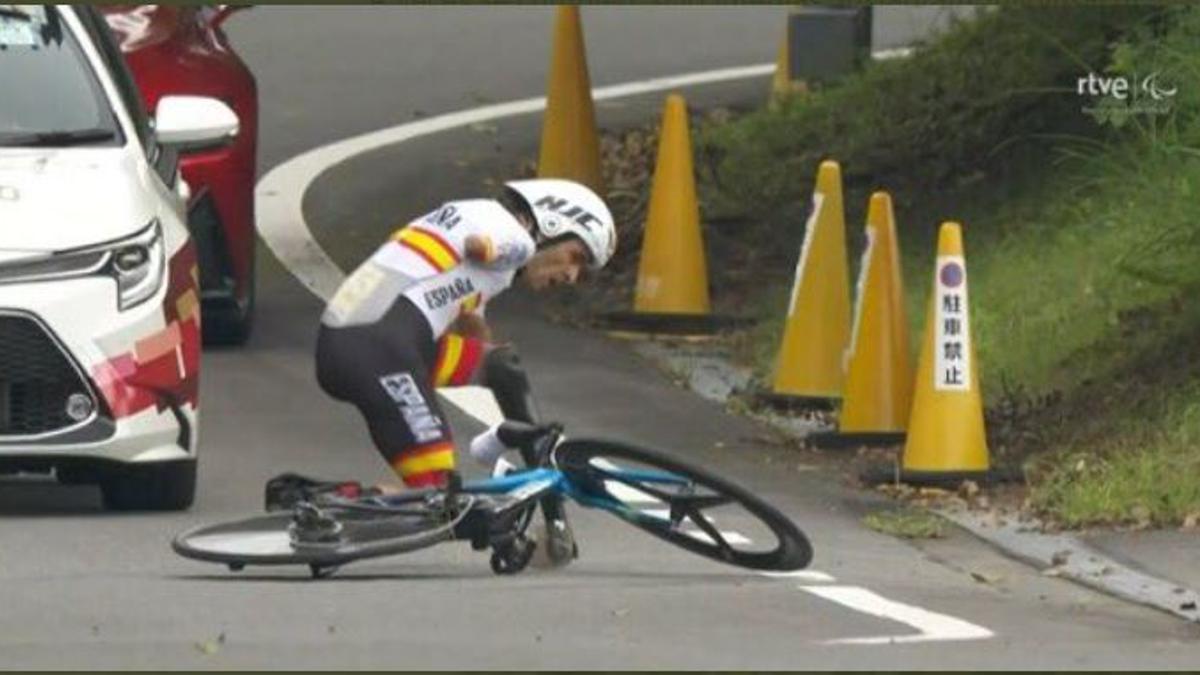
36, 380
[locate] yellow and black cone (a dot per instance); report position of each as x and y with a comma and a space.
947, 442
782, 85
570, 145
879, 379
672, 286
809, 369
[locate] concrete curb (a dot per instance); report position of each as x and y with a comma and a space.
1065, 556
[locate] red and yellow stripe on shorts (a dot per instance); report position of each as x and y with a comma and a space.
457, 359
425, 465
429, 245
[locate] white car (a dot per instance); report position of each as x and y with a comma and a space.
99, 304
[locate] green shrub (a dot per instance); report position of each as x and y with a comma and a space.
1007, 75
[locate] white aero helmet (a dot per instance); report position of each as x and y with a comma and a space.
564, 207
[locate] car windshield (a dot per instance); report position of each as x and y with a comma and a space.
50, 95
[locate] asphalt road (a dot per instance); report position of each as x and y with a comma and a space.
84, 589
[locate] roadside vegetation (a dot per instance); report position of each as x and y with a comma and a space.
1082, 233
906, 523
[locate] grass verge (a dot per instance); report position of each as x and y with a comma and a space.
906, 523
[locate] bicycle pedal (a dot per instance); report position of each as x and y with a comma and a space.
311, 525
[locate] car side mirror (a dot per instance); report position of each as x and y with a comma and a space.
193, 122
219, 13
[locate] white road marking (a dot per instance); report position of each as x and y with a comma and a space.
475, 401
621, 491
932, 626
803, 575
731, 536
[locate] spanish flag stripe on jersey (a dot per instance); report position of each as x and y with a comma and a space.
472, 302
458, 357
424, 256
430, 246
414, 464
449, 354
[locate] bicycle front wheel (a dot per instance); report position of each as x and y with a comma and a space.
363, 531
682, 504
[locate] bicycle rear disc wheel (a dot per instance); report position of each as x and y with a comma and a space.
683, 504
365, 533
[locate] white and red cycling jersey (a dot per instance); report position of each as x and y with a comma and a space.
426, 262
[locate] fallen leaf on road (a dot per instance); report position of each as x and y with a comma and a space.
986, 578
210, 647
484, 128
1188, 606
1060, 558
1052, 572
620, 613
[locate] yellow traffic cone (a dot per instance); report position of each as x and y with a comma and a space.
672, 273
672, 287
570, 146
809, 368
946, 438
781, 82
879, 380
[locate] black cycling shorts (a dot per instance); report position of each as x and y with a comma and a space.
388, 370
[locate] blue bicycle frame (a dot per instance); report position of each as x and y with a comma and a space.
532, 483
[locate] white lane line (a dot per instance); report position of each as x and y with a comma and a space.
633, 496
931, 626
475, 401
803, 575
625, 493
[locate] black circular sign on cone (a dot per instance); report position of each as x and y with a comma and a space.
947, 480
852, 440
670, 324
794, 404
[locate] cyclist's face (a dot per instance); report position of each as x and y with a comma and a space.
559, 264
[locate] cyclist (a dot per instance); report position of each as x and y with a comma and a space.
411, 317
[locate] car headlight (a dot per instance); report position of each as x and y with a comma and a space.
135, 263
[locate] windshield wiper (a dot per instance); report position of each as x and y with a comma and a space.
46, 139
